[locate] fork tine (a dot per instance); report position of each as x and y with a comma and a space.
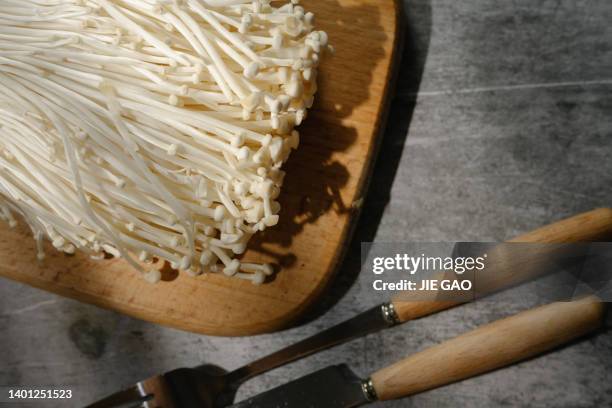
180, 388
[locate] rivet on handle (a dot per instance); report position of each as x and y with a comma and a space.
390, 314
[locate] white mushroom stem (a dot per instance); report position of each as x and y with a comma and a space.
152, 128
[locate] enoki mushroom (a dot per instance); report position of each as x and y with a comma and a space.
152, 129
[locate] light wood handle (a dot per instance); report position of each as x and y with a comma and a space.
595, 225
490, 347
591, 226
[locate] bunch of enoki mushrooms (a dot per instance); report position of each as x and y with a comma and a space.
152, 129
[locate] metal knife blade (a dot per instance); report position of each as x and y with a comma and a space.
332, 387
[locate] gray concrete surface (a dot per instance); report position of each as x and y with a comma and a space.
502, 122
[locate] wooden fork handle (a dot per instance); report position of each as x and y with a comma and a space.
595, 225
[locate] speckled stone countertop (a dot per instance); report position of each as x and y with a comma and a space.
502, 122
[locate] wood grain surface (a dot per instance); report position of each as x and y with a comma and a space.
323, 189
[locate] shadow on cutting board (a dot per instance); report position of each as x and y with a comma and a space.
315, 178
417, 22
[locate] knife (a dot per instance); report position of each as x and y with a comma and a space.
487, 348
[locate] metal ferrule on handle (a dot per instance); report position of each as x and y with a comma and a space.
367, 386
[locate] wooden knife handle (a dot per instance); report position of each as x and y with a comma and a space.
490, 347
591, 226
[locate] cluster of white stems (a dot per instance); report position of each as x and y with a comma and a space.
152, 129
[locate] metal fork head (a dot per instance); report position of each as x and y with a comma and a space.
132, 397
204, 387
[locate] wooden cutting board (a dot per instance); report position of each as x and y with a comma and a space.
324, 186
